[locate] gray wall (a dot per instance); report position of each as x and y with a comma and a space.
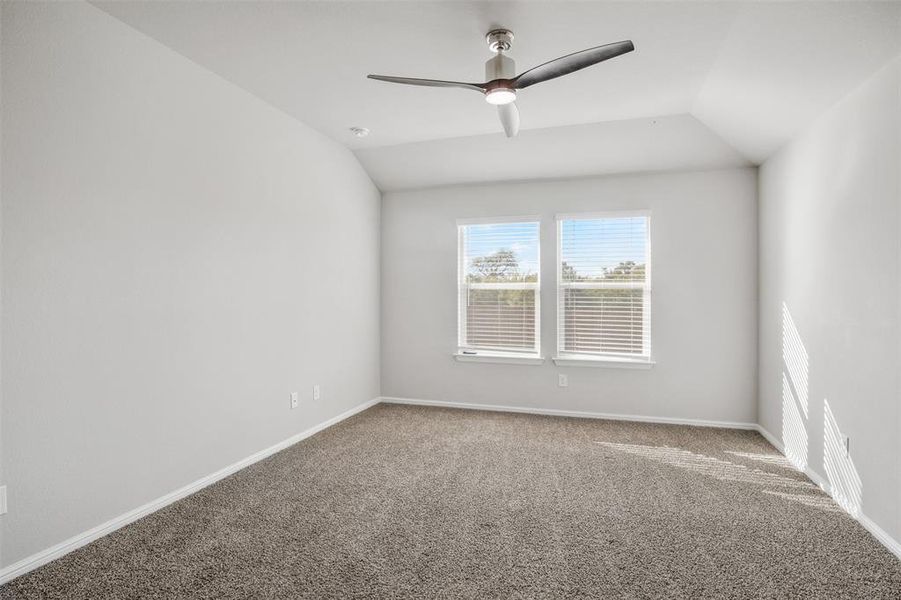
704, 303
178, 257
830, 205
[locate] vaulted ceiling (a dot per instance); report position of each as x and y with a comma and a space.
711, 84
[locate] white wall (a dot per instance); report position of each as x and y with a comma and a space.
704, 304
830, 225
178, 257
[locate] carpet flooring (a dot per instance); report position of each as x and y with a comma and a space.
416, 502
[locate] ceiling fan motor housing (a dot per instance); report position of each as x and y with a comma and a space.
500, 66
499, 69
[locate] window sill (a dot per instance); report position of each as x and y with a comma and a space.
605, 362
500, 358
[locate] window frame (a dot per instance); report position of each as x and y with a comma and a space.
469, 353
606, 359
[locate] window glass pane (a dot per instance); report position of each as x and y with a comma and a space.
500, 318
604, 249
598, 321
499, 286
604, 294
501, 252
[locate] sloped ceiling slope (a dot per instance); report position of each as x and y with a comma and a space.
735, 80
783, 64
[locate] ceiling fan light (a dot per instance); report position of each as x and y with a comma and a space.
500, 96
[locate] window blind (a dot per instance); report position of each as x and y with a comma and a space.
499, 287
604, 286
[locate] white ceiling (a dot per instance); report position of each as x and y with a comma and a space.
754, 73
783, 64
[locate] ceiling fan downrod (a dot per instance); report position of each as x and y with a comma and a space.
500, 69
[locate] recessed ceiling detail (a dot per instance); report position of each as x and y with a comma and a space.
673, 143
755, 73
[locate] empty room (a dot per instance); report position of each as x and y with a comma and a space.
450, 299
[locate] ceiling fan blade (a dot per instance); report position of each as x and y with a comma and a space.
571, 62
509, 115
479, 87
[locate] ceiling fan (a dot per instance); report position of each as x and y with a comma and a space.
502, 85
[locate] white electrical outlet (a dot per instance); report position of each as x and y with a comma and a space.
293, 399
562, 380
316, 393
2, 500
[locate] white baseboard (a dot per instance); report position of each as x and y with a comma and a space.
772, 439
807, 470
43, 557
571, 413
884, 538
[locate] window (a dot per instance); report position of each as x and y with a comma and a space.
498, 288
604, 287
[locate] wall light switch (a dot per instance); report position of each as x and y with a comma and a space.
2, 500
562, 380
293, 399
316, 392
846, 444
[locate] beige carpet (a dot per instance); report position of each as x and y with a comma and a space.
411, 502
